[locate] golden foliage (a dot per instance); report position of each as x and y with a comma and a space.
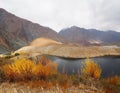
9, 72
92, 69
45, 68
21, 69
25, 69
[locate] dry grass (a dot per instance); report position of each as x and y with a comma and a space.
111, 84
18, 88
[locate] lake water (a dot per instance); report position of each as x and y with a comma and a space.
110, 65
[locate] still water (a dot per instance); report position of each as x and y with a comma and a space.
110, 65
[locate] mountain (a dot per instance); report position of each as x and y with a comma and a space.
83, 36
16, 32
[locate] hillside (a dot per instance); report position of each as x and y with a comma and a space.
16, 32
43, 46
36, 44
84, 36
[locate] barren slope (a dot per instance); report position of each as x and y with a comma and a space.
16, 32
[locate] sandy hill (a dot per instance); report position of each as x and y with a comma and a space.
43, 42
37, 44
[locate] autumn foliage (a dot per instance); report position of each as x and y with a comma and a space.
92, 69
20, 69
25, 69
45, 68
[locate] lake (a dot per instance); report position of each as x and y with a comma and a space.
110, 65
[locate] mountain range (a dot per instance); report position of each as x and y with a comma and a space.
84, 36
16, 32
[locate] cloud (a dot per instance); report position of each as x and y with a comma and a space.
59, 14
105, 14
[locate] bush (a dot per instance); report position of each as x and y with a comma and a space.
25, 69
4, 61
2, 76
16, 54
20, 69
91, 69
8, 56
111, 84
10, 72
115, 80
45, 68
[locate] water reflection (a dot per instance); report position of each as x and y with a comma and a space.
110, 65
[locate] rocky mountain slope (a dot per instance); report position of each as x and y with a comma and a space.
16, 32
90, 36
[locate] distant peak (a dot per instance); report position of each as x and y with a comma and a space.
2, 10
78, 28
73, 26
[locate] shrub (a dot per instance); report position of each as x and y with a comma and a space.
2, 75
16, 54
25, 69
8, 56
20, 69
91, 69
115, 80
4, 61
111, 84
45, 68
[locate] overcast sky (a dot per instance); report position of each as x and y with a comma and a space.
59, 14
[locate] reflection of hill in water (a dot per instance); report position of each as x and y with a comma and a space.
110, 65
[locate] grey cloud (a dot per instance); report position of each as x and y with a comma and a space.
106, 14
58, 14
